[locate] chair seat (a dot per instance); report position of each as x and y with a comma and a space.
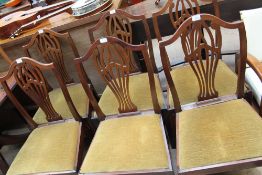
254, 83
176, 55
133, 143
139, 89
48, 149
187, 85
58, 101
220, 133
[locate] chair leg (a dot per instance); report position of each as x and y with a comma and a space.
3, 164
169, 119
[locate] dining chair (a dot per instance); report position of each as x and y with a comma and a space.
253, 74
53, 148
177, 12
48, 44
209, 132
130, 138
117, 23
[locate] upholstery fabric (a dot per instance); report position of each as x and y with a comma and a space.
127, 144
219, 133
140, 95
58, 101
51, 148
175, 55
251, 19
187, 85
254, 83
254, 38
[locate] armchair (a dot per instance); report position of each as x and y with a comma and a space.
253, 74
130, 138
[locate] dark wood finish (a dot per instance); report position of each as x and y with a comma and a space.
29, 77
118, 24
186, 31
13, 22
192, 40
48, 46
115, 69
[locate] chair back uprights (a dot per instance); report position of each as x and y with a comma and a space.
111, 58
29, 77
204, 66
48, 45
178, 12
117, 23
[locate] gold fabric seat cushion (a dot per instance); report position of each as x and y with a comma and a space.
187, 86
140, 95
219, 133
127, 144
52, 148
58, 101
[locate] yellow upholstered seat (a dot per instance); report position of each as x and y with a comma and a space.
218, 133
48, 149
140, 95
131, 143
187, 85
58, 101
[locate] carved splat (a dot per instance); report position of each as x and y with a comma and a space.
188, 8
198, 40
49, 47
120, 27
32, 81
112, 62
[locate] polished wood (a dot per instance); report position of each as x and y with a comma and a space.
193, 40
24, 19
61, 22
186, 32
255, 65
28, 75
4, 56
25, 5
118, 24
118, 67
48, 46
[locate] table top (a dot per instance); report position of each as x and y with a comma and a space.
61, 22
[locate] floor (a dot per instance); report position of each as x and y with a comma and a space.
229, 43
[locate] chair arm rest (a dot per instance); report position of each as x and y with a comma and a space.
255, 65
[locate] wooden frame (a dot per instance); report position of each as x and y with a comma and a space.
188, 31
118, 24
48, 45
189, 7
257, 67
32, 70
105, 67
216, 23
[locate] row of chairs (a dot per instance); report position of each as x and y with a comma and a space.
131, 138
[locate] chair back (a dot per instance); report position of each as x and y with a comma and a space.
111, 59
178, 12
28, 74
117, 23
204, 66
48, 46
